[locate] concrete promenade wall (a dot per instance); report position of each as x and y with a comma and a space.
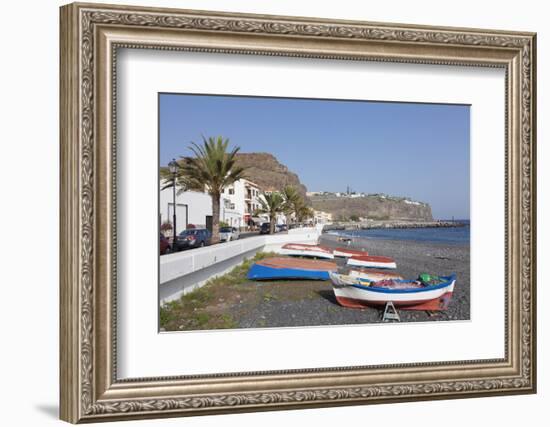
183, 272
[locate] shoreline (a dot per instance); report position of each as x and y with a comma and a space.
354, 239
392, 224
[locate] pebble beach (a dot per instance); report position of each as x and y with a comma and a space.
300, 303
316, 305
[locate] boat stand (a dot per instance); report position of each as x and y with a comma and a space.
390, 313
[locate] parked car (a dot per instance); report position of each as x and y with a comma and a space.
164, 245
281, 227
194, 238
229, 233
264, 228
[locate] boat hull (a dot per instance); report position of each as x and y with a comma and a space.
291, 269
372, 262
437, 304
303, 250
260, 272
348, 253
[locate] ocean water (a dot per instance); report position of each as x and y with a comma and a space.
447, 235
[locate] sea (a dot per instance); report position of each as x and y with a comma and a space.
447, 235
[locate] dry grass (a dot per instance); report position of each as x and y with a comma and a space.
214, 305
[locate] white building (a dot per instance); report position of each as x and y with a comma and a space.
237, 204
239, 201
321, 217
192, 207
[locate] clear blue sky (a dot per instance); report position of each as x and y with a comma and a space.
420, 151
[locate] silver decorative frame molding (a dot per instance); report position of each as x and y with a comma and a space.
90, 36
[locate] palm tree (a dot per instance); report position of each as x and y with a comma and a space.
304, 213
271, 204
293, 200
212, 169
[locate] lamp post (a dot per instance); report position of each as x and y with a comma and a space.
173, 167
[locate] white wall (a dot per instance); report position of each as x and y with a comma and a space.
198, 206
29, 141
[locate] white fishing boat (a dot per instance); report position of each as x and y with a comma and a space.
348, 253
304, 250
354, 292
372, 262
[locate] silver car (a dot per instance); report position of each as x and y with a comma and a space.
229, 233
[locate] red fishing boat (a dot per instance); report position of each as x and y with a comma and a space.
347, 253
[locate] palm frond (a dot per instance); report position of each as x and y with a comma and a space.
212, 166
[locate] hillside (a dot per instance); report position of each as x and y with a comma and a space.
372, 207
266, 171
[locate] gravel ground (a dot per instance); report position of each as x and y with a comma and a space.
314, 304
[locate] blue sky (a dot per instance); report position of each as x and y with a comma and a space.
420, 151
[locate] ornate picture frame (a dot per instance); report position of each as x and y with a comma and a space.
90, 37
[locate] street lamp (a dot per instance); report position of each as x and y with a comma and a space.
173, 167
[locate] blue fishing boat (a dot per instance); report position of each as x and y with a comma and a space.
280, 268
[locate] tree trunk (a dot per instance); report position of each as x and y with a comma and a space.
215, 218
272, 219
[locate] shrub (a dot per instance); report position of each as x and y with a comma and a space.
166, 226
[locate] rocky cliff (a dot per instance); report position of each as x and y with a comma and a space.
266, 171
372, 207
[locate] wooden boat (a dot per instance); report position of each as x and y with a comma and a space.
406, 294
299, 249
291, 268
373, 275
347, 253
372, 262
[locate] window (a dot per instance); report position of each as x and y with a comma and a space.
231, 191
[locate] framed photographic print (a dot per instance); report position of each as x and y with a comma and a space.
265, 212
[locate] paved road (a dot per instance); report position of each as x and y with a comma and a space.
244, 235
247, 234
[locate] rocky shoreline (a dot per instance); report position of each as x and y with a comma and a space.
391, 224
